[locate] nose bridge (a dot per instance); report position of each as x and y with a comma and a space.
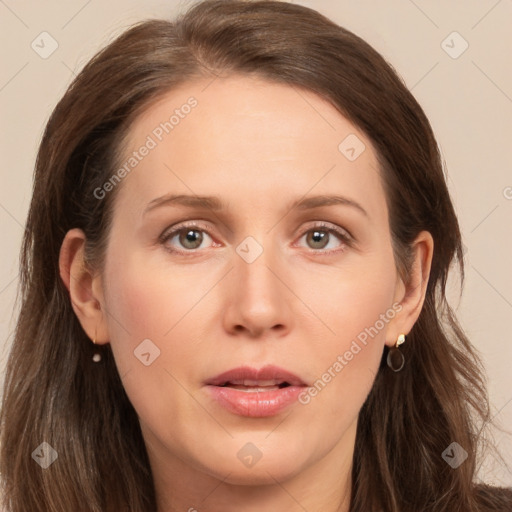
255, 259
258, 299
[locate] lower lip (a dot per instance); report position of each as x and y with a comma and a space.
255, 404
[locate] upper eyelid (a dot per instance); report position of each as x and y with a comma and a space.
181, 226
204, 227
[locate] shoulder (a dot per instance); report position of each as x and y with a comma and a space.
493, 499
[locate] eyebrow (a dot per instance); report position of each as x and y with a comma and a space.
215, 204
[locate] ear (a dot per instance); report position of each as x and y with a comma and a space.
411, 295
85, 288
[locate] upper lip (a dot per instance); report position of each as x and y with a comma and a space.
269, 375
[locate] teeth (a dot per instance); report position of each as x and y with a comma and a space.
262, 383
254, 389
249, 382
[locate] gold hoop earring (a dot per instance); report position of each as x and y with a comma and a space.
396, 359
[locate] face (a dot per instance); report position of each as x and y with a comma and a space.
249, 279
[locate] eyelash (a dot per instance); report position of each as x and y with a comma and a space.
321, 226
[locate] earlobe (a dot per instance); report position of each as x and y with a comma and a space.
82, 286
412, 294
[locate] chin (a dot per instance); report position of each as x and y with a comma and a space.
262, 475
269, 468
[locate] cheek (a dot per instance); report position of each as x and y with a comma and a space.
146, 297
148, 315
354, 300
357, 308
137, 312
149, 299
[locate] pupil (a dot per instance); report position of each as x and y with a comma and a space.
318, 236
191, 237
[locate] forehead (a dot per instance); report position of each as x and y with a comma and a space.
244, 137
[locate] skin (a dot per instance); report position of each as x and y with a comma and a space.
258, 147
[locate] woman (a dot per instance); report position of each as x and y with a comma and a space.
233, 283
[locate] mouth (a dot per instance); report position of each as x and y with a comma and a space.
246, 377
251, 392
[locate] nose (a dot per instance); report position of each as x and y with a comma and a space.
258, 301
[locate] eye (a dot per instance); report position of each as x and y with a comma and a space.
319, 236
189, 237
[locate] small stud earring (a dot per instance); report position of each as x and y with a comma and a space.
396, 359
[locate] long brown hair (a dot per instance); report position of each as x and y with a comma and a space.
53, 393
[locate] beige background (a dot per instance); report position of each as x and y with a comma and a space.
468, 100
